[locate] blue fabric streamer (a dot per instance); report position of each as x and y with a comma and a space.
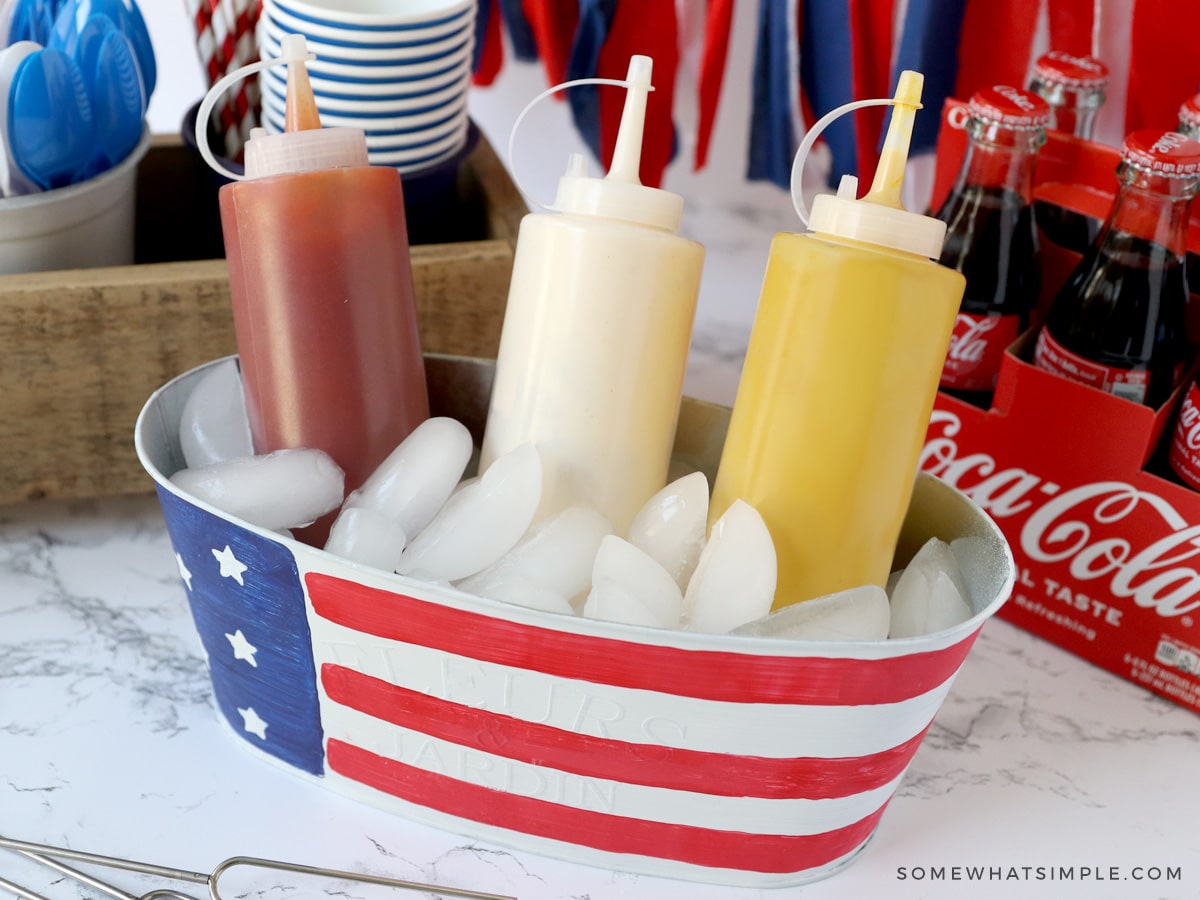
524, 44
772, 142
928, 44
827, 78
595, 17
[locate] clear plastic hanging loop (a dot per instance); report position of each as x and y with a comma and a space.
301, 54
512, 135
810, 138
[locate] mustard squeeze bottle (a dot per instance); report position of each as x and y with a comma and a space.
853, 324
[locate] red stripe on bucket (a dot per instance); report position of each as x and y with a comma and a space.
720, 774
769, 853
703, 674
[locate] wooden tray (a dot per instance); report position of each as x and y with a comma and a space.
81, 350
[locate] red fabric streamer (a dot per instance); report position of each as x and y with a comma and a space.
648, 28
491, 59
717, 25
1071, 26
1163, 66
553, 25
870, 75
997, 43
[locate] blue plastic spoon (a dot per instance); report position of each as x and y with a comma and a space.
111, 73
118, 104
32, 20
50, 128
73, 18
135, 29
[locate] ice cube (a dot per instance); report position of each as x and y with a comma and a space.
554, 558
929, 595
893, 580
213, 427
284, 489
367, 536
415, 480
629, 586
947, 607
734, 581
857, 614
670, 526
481, 522
520, 592
612, 601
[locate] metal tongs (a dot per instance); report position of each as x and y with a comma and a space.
50, 857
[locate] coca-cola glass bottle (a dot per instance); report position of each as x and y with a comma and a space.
1183, 454
1189, 124
991, 236
1074, 87
1117, 324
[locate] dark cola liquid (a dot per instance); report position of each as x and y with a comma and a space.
1123, 307
991, 239
1068, 229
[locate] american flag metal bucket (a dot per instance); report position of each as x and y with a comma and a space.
735, 760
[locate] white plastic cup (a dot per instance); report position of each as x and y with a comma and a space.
366, 37
402, 114
374, 54
80, 226
375, 96
372, 74
375, 14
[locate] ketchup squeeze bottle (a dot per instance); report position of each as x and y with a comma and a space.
321, 287
841, 372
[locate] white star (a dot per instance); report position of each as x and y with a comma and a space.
253, 723
231, 566
242, 648
183, 571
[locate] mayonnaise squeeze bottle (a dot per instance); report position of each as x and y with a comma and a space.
841, 372
321, 285
596, 332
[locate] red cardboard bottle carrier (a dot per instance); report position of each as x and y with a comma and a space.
1107, 551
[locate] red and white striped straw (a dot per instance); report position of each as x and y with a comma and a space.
225, 42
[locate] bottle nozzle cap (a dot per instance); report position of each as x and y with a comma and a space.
301, 112
889, 173
621, 194
305, 150
879, 217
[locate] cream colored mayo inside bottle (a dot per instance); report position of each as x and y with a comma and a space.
596, 333
841, 372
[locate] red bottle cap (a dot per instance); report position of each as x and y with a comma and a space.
1076, 72
1009, 106
1162, 152
1189, 113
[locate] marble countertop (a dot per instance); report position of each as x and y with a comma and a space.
1042, 776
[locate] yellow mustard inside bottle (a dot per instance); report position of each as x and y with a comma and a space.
840, 376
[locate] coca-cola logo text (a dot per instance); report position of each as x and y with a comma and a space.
969, 340
1188, 426
1088, 528
1018, 98
1082, 62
